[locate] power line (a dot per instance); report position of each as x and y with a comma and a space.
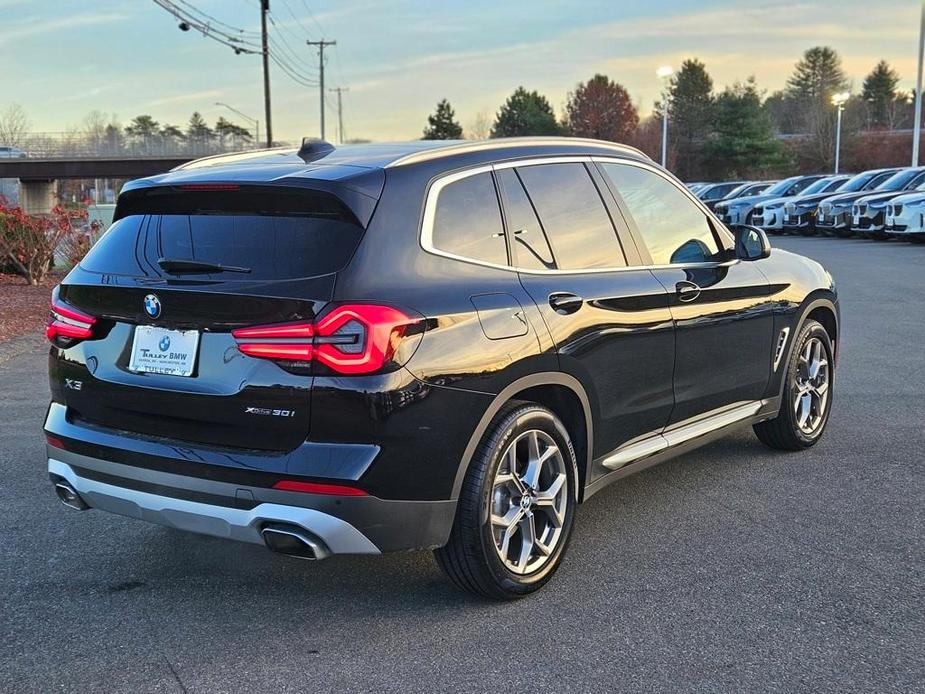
188, 21
296, 19
216, 20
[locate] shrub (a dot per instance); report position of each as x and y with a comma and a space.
28, 242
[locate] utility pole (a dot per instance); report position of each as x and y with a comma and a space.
264, 8
340, 112
917, 132
321, 46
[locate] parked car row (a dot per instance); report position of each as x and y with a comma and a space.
877, 204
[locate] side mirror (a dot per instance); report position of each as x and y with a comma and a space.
751, 243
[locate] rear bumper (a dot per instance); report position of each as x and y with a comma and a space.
339, 524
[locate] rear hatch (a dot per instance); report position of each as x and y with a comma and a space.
181, 267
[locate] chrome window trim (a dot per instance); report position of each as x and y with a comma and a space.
436, 186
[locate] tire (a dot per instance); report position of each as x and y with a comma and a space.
843, 232
788, 431
472, 558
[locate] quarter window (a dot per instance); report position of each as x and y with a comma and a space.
467, 220
673, 228
573, 216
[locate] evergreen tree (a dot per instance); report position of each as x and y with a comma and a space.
143, 126
442, 124
690, 114
601, 109
817, 75
197, 129
525, 113
880, 94
744, 144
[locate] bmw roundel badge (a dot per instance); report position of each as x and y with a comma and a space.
164, 344
152, 305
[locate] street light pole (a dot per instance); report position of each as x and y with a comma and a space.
245, 117
664, 73
917, 132
839, 101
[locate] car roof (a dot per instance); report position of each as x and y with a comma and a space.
393, 154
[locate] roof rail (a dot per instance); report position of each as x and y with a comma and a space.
507, 142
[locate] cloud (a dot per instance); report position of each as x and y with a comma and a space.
185, 98
32, 26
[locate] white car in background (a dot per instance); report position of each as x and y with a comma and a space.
769, 215
905, 217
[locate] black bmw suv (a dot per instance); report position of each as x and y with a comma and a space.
442, 346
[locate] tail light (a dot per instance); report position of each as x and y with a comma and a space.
351, 339
67, 325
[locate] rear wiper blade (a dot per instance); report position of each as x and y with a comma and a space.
186, 265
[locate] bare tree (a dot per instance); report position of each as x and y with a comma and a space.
13, 125
480, 127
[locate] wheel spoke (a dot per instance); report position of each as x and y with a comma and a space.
548, 496
527, 541
509, 519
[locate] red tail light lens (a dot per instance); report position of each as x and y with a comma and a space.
351, 339
67, 322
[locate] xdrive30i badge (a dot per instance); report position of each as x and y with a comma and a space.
268, 412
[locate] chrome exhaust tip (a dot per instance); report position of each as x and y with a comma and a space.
293, 542
69, 496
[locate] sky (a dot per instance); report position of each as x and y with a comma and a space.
61, 59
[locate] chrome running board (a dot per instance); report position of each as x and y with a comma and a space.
682, 433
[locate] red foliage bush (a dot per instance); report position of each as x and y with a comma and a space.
28, 242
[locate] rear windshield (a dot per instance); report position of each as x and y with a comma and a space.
271, 236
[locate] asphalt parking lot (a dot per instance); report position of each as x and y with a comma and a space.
731, 569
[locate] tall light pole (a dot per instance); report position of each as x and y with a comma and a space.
664, 73
839, 101
321, 46
917, 132
245, 117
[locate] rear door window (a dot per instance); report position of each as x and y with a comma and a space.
573, 216
528, 239
467, 220
298, 236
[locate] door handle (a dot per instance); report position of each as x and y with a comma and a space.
687, 291
564, 302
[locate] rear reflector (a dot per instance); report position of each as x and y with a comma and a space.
318, 488
54, 441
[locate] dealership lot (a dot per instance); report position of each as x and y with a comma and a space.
733, 568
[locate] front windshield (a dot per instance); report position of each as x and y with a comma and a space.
781, 187
858, 182
899, 180
820, 186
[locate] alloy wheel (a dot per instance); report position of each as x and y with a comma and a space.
529, 497
812, 386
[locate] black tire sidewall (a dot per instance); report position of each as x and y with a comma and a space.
809, 330
517, 422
